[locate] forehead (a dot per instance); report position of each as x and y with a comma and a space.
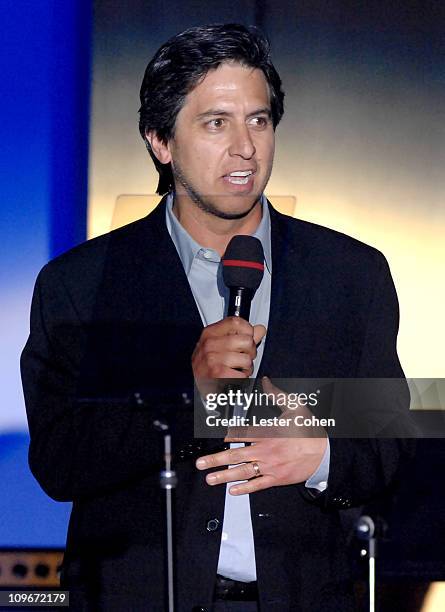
229, 85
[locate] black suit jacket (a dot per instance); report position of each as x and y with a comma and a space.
116, 315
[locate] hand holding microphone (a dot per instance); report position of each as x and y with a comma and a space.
227, 349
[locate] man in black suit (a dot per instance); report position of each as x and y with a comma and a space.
125, 312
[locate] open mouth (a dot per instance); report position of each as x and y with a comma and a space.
239, 177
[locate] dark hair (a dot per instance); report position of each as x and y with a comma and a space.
182, 62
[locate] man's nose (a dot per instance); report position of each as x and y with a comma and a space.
241, 143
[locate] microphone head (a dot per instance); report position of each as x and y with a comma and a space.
243, 263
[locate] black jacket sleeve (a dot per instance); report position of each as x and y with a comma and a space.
76, 449
362, 469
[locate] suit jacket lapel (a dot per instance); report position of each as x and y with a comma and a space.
161, 265
146, 323
290, 288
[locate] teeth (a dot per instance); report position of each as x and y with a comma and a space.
239, 181
245, 173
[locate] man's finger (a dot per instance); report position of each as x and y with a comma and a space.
245, 471
242, 343
236, 360
229, 325
252, 486
232, 456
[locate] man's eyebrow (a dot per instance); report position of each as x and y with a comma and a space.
213, 112
217, 112
261, 111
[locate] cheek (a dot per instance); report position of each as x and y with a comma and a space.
265, 148
271, 146
192, 162
207, 161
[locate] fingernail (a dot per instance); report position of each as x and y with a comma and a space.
234, 490
200, 463
211, 478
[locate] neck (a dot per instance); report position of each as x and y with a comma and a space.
211, 231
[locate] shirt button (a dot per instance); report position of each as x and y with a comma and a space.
212, 524
207, 254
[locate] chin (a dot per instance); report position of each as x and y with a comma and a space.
234, 209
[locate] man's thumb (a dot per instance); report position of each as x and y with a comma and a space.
259, 331
270, 388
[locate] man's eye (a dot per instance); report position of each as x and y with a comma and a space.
216, 123
259, 121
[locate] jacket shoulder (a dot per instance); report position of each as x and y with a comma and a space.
87, 260
324, 243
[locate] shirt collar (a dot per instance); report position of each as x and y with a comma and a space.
188, 248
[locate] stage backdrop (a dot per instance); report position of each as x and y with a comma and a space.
45, 60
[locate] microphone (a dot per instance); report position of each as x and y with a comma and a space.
243, 269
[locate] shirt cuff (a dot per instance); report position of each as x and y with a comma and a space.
319, 479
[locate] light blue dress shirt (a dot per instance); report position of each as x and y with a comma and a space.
204, 274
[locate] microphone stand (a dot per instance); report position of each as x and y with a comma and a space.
167, 477
365, 530
168, 481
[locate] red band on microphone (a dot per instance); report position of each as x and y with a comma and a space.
243, 264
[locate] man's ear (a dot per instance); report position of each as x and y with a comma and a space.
159, 147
